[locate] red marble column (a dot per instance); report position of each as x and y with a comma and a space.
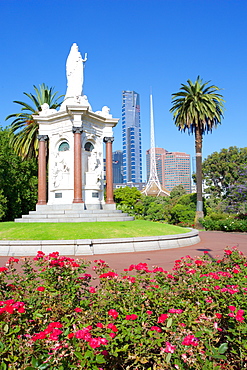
42, 170
77, 165
109, 171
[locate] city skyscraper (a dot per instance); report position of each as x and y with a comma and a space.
173, 168
117, 166
131, 134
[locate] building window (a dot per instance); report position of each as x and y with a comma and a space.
88, 147
63, 147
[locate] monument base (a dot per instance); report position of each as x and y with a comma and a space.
76, 212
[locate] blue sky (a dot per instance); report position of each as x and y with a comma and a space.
131, 45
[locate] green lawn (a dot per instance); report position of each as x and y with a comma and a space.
87, 230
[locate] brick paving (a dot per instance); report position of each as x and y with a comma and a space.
214, 242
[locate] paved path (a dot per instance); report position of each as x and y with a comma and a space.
212, 241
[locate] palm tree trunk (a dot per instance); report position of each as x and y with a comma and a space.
198, 147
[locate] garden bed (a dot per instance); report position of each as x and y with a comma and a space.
54, 315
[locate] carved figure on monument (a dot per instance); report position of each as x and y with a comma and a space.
45, 110
105, 112
74, 72
60, 168
93, 161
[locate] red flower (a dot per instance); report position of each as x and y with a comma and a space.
162, 317
71, 335
131, 317
113, 313
2, 269
78, 309
218, 315
190, 340
228, 252
232, 308
156, 328
112, 327
175, 310
169, 348
40, 288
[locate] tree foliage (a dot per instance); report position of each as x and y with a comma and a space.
127, 196
177, 191
197, 108
180, 208
221, 169
236, 195
18, 181
23, 126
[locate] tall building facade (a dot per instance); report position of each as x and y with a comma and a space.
173, 168
117, 166
131, 134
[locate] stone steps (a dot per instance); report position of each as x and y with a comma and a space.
74, 213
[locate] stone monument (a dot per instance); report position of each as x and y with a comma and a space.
73, 139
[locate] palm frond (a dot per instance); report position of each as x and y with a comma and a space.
23, 128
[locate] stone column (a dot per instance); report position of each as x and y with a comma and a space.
77, 131
42, 170
109, 171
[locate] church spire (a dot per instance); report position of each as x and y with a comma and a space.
153, 186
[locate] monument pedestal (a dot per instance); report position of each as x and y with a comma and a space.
75, 213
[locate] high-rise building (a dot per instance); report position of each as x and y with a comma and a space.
117, 166
131, 133
173, 168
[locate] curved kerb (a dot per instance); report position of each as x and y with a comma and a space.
83, 247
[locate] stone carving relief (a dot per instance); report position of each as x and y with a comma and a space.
60, 169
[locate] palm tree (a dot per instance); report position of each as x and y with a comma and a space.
197, 108
24, 129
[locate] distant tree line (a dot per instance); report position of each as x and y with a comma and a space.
18, 181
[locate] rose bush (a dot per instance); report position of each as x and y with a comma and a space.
55, 315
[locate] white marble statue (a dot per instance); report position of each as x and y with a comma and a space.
74, 72
46, 111
105, 112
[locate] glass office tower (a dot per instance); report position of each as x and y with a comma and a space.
131, 133
117, 166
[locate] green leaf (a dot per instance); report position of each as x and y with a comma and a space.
6, 328
79, 355
169, 322
168, 358
100, 359
222, 348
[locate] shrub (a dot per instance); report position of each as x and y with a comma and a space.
53, 317
182, 214
228, 224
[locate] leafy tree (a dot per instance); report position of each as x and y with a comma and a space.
3, 205
177, 191
128, 197
221, 169
23, 128
236, 195
18, 181
156, 208
184, 210
197, 108
182, 214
